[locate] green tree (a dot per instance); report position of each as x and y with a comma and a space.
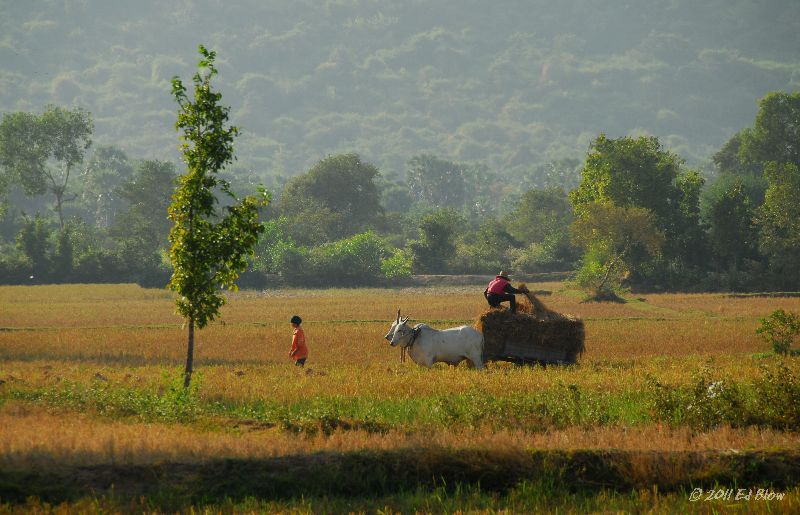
780, 329
147, 195
538, 214
209, 249
485, 251
630, 172
40, 151
729, 159
395, 197
106, 171
342, 187
352, 261
399, 264
142, 229
63, 259
562, 173
688, 241
437, 182
555, 253
776, 131
434, 249
732, 232
637, 172
610, 234
779, 217
275, 233
32, 240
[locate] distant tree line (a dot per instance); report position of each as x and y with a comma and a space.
638, 217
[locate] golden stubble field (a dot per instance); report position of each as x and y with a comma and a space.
128, 325
127, 336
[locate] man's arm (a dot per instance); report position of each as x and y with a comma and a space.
511, 289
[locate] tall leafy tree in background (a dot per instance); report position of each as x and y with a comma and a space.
339, 194
147, 195
107, 169
775, 135
638, 172
779, 217
539, 214
630, 172
610, 235
729, 158
773, 143
437, 182
142, 230
541, 220
32, 241
485, 251
209, 248
436, 246
732, 231
39, 152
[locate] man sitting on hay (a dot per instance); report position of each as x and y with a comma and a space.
500, 290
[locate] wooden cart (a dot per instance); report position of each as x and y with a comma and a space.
533, 335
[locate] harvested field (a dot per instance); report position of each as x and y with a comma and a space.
99, 363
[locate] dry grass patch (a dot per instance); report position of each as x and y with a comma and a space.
725, 305
28, 439
284, 383
636, 339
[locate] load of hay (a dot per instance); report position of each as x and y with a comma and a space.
534, 334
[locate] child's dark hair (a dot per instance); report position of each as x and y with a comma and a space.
296, 320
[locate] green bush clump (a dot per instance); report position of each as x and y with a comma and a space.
169, 402
778, 398
780, 329
772, 401
703, 404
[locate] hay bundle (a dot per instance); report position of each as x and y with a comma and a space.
531, 305
534, 334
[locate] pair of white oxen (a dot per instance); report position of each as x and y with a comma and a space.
426, 345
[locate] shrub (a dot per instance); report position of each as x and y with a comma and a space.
553, 254
167, 401
15, 267
351, 261
780, 329
290, 261
713, 403
778, 398
397, 265
702, 405
599, 280
772, 401
98, 266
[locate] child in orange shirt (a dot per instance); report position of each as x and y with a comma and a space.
299, 351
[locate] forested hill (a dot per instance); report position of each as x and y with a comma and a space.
507, 83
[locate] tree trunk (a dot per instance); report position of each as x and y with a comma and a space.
59, 195
58, 189
611, 266
607, 274
187, 375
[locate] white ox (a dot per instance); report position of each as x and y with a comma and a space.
427, 345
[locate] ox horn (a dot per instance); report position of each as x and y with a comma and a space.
398, 316
405, 319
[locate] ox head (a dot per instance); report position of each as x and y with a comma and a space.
400, 331
388, 336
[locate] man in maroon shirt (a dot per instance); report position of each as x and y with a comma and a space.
500, 290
